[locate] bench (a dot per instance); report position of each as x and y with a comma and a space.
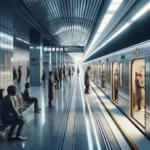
21, 105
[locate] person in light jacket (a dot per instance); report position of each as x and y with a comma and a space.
140, 90
50, 90
11, 116
87, 80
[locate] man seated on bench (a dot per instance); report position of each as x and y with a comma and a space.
29, 98
11, 116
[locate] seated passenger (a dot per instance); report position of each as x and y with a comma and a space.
29, 98
11, 116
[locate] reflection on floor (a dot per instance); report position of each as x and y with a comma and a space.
139, 115
48, 130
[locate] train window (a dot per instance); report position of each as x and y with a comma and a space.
138, 91
121, 74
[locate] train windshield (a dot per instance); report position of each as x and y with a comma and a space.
138, 91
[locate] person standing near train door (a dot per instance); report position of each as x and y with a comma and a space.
87, 80
141, 90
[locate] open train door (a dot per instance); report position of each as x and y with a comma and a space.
138, 91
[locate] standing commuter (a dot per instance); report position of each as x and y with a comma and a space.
116, 84
19, 74
136, 88
60, 76
29, 98
14, 75
87, 80
44, 78
56, 78
28, 73
78, 71
69, 72
64, 73
50, 90
141, 90
11, 116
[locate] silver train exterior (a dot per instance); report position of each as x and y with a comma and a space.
124, 58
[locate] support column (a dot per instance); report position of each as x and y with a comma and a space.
36, 57
6, 43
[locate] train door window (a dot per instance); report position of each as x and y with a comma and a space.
138, 91
121, 74
115, 82
103, 77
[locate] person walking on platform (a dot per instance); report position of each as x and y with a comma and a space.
78, 71
28, 73
56, 78
29, 98
60, 76
14, 75
64, 73
11, 116
69, 72
19, 74
87, 80
44, 78
50, 90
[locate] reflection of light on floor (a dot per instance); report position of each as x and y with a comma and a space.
62, 96
90, 144
43, 108
94, 128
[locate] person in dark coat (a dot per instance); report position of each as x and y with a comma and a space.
60, 76
87, 80
19, 74
14, 75
50, 90
44, 78
56, 78
29, 98
64, 73
78, 71
28, 73
11, 116
69, 72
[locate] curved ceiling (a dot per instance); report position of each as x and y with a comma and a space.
69, 21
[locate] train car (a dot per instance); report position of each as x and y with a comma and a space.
124, 76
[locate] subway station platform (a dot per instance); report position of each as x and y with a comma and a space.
78, 121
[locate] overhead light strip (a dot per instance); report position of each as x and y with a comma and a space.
22, 40
145, 9
113, 7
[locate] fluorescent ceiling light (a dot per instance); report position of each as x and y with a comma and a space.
138, 15
22, 40
113, 7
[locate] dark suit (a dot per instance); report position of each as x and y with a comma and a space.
19, 75
11, 116
87, 82
27, 98
50, 90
